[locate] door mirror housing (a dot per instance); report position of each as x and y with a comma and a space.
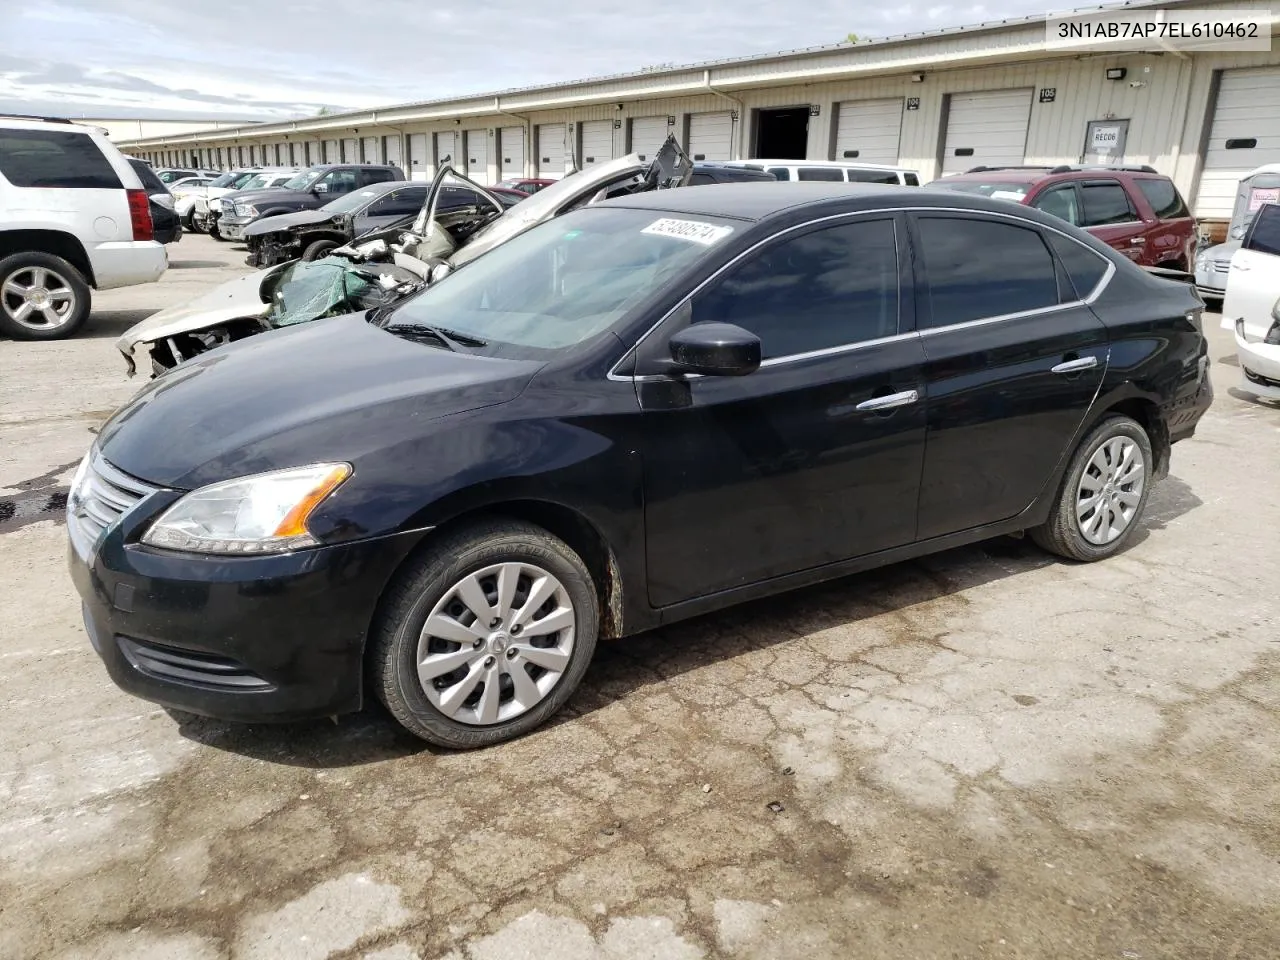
714, 350
321, 188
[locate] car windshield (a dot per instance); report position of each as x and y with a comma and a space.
352, 201
563, 281
303, 180
995, 190
226, 180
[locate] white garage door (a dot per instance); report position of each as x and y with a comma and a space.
987, 129
511, 143
350, 151
1245, 135
419, 159
710, 136
331, 154
596, 141
447, 149
868, 130
369, 150
477, 147
647, 135
391, 149
550, 150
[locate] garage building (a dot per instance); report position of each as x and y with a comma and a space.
939, 102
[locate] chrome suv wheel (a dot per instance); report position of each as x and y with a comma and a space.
42, 297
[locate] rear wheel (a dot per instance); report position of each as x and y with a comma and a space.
485, 636
1103, 494
42, 297
320, 248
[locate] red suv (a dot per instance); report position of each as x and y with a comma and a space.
1134, 209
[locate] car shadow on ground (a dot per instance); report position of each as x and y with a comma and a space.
198, 265
112, 323
622, 668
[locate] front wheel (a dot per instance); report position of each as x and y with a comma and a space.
320, 248
485, 636
1103, 494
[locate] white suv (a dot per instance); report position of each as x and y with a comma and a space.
833, 170
73, 215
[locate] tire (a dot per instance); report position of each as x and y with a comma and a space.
319, 249
1095, 534
213, 232
188, 222
62, 298
453, 713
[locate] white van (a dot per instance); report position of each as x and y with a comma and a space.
832, 170
73, 215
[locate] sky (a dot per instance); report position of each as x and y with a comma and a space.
277, 59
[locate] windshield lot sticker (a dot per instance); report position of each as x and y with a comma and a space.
692, 230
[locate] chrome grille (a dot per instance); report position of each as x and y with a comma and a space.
101, 496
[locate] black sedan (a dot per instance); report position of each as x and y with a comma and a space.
647, 409
311, 234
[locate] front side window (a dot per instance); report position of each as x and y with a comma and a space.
52, 158
303, 180
338, 181
1264, 235
819, 173
401, 203
983, 268
1106, 203
564, 281
1164, 198
780, 173
1061, 202
826, 288
351, 201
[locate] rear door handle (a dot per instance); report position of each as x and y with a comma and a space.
1137, 241
1075, 366
892, 401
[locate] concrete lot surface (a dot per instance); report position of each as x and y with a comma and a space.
987, 753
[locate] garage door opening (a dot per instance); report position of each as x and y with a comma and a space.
782, 134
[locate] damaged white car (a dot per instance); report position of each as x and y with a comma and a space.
1252, 306
383, 267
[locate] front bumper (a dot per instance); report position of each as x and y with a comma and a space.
1211, 278
232, 227
1260, 363
235, 638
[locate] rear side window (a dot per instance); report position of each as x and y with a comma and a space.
872, 176
1105, 203
51, 158
911, 179
379, 176
700, 178
819, 173
1264, 235
150, 182
1164, 199
1084, 267
982, 268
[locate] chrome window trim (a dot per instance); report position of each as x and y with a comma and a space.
1093, 296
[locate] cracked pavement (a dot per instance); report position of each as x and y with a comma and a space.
986, 753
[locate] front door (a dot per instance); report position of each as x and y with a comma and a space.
816, 456
1014, 360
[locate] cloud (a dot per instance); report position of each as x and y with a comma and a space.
139, 54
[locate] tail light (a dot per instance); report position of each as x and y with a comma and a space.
140, 215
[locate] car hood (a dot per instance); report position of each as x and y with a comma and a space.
233, 300
288, 221
1223, 251
313, 393
267, 193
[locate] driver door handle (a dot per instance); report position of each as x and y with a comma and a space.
1075, 366
891, 402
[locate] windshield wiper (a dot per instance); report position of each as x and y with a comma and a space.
453, 338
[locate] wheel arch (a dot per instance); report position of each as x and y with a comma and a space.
56, 242
1129, 401
582, 535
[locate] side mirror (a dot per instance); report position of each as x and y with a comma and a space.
715, 350
321, 188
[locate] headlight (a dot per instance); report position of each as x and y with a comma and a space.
246, 210
266, 513
215, 203
1273, 335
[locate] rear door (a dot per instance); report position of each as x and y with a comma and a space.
1014, 360
1171, 235
1253, 286
1109, 214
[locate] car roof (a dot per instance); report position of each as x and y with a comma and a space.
840, 164
13, 122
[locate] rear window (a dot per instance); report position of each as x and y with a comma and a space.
1164, 199
1264, 235
52, 158
819, 173
872, 176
